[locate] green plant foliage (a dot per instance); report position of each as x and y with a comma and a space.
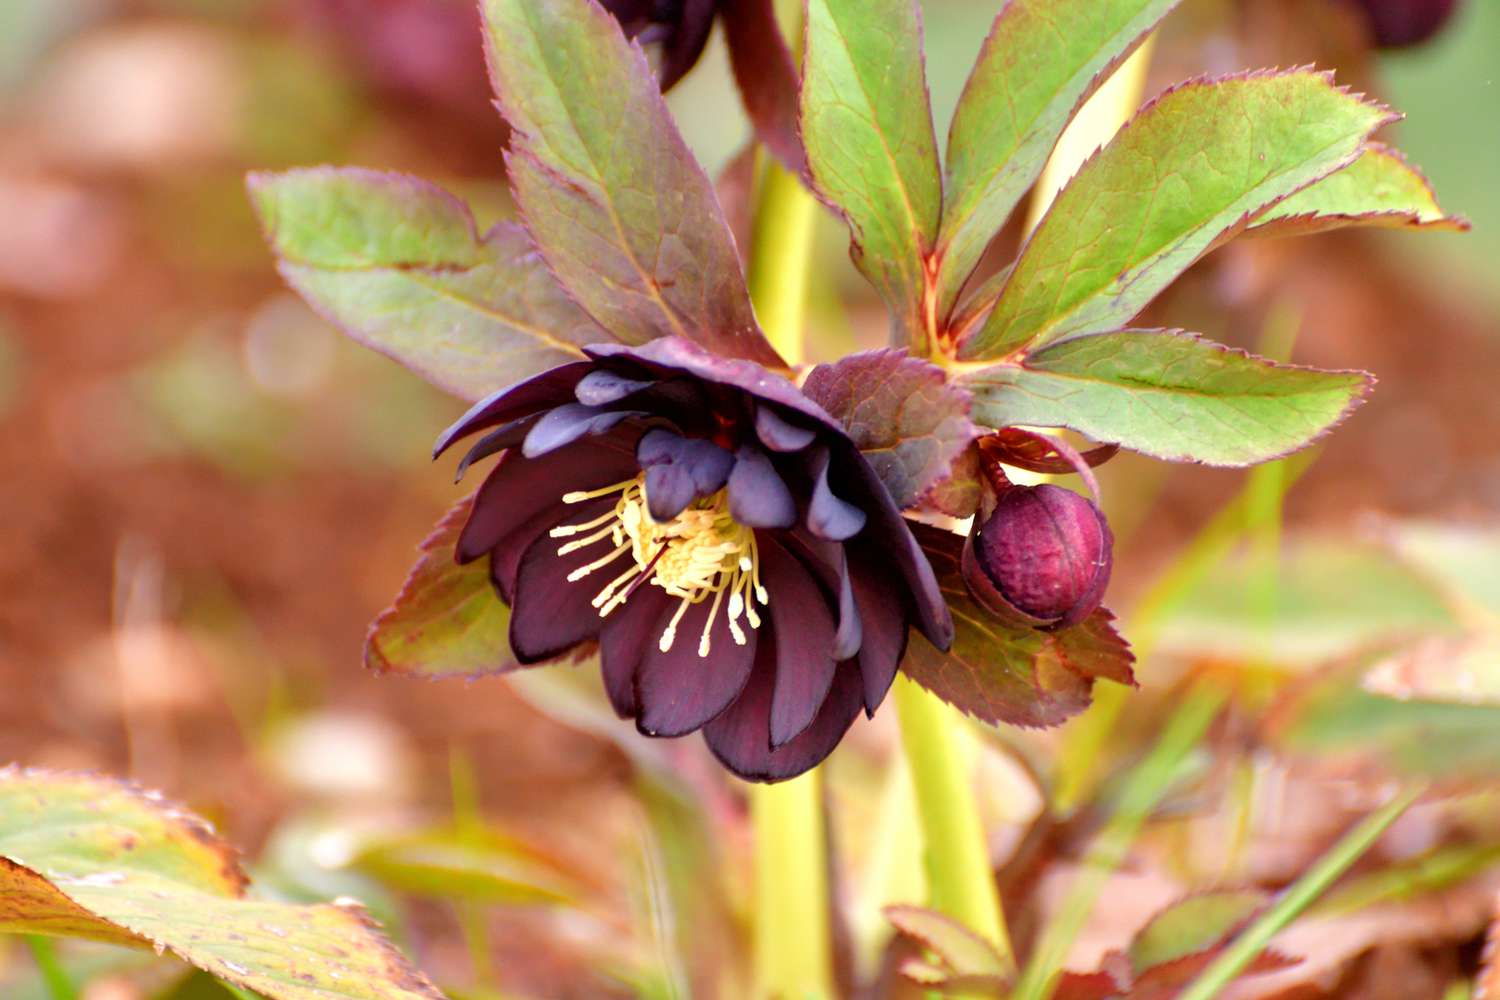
1168, 394
1041, 60
1195, 164
960, 958
398, 265
867, 126
619, 208
83, 856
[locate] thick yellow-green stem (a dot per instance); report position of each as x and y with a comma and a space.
792, 943
955, 854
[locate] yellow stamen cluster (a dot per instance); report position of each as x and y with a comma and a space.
701, 554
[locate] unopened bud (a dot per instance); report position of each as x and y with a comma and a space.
1399, 23
1043, 556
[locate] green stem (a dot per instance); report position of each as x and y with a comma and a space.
792, 943
960, 880
59, 984
1297, 898
1146, 786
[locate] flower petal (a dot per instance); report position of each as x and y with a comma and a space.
758, 496
740, 737
565, 424
828, 516
803, 637
884, 617
550, 613
830, 566
540, 392
495, 441
628, 633
679, 470
601, 387
677, 691
778, 433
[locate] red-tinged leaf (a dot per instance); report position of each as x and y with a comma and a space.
1170, 395
1379, 189
90, 857
911, 424
1487, 983
1088, 986
1195, 164
1039, 453
958, 493
1041, 61
1192, 925
867, 128
397, 264
621, 211
767, 77
999, 672
447, 621
960, 953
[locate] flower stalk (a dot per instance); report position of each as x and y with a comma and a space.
792, 943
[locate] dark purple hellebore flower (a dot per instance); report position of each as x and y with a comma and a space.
677, 29
1042, 557
1400, 23
737, 560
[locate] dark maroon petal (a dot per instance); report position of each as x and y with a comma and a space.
679, 470
519, 488
567, 423
829, 517
803, 637
758, 496
601, 387
687, 40
884, 618
540, 392
676, 355
550, 613
628, 633
767, 76
740, 738
678, 691
829, 566
778, 433
494, 442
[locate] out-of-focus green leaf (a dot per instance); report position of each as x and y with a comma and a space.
1431, 872
909, 421
447, 621
83, 856
999, 672
398, 265
1192, 925
1331, 599
1168, 394
1463, 560
964, 959
1196, 163
1041, 61
867, 126
486, 866
624, 215
1379, 189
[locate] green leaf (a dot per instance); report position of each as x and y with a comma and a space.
901, 412
397, 264
867, 126
447, 621
1170, 395
962, 956
1194, 165
998, 672
1379, 189
1464, 560
1192, 925
482, 865
84, 856
622, 212
1041, 61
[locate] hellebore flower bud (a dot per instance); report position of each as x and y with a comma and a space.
1043, 556
678, 29
1399, 23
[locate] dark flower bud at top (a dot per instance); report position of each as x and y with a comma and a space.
677, 29
1399, 23
1044, 556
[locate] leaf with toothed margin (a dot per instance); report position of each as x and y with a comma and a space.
1041, 61
397, 264
1196, 164
901, 412
1004, 673
622, 212
961, 958
90, 857
1168, 394
867, 127
447, 621
1379, 189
